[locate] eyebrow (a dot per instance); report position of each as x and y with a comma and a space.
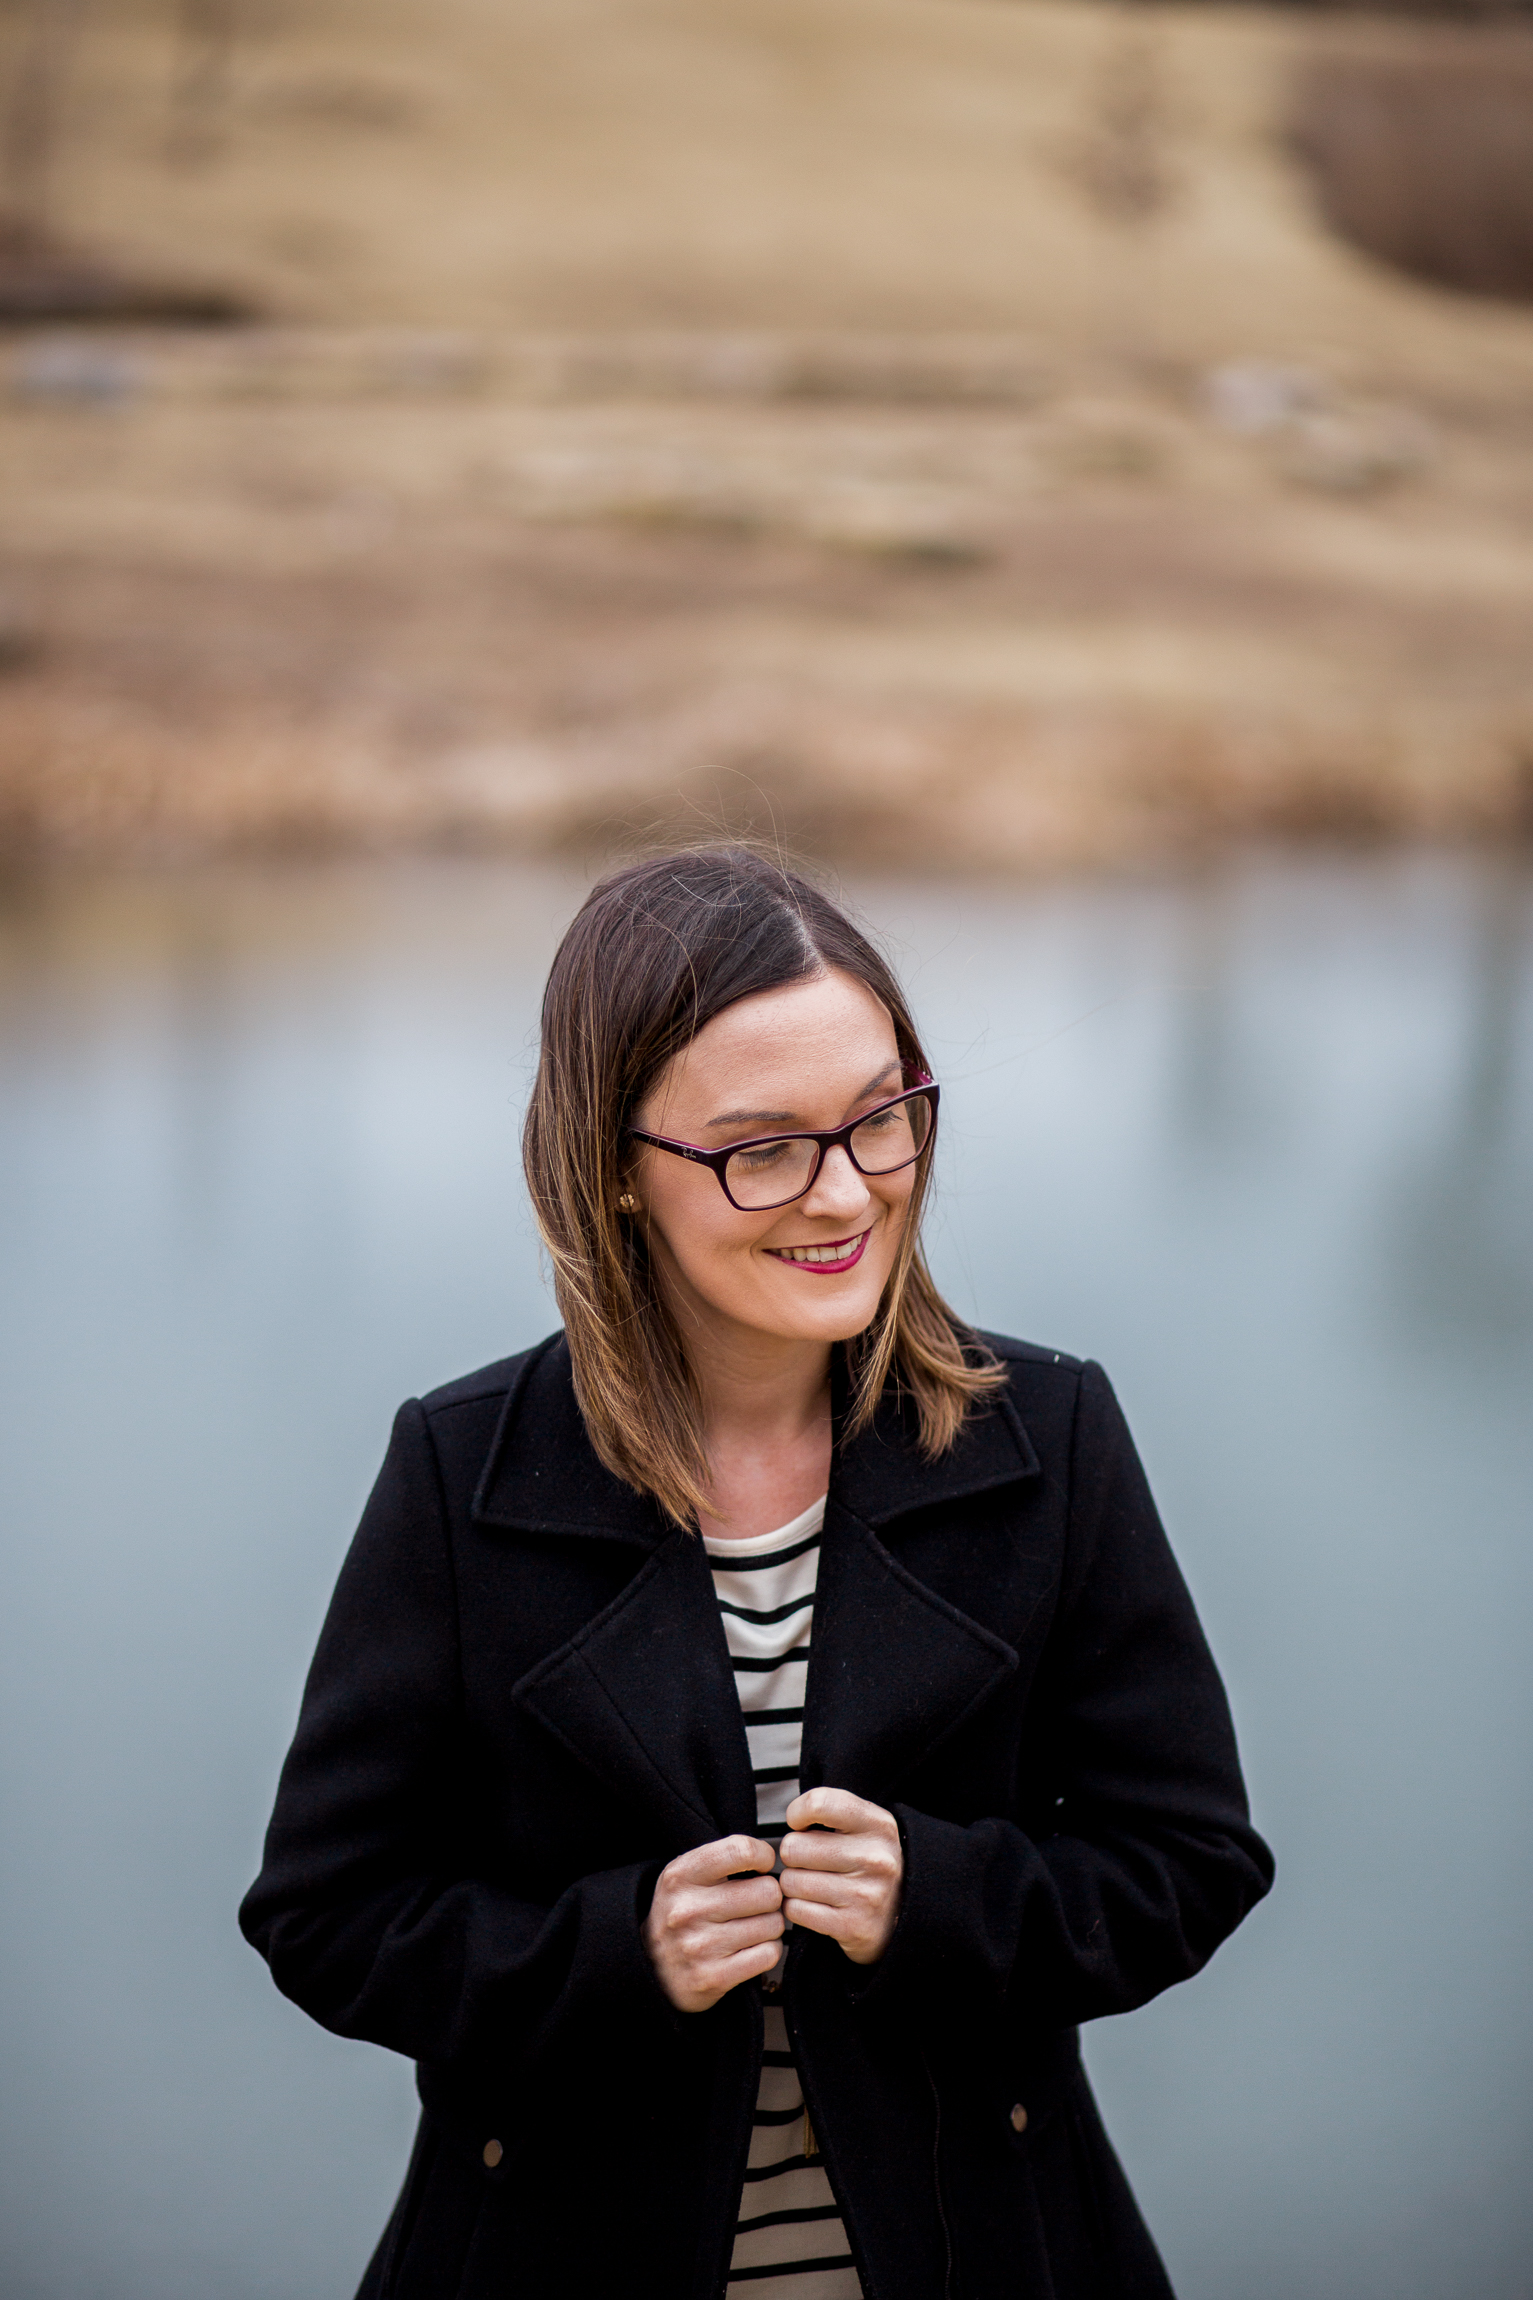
790, 1117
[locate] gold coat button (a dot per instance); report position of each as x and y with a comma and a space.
1018, 2120
493, 2152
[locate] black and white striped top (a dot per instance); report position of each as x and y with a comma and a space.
789, 2239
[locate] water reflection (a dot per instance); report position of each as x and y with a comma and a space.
1460, 1260
1214, 1108
1260, 1141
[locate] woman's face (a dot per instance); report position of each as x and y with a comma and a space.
806, 1058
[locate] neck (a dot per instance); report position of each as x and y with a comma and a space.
766, 1431
761, 1387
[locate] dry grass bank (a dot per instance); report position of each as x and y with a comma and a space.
674, 401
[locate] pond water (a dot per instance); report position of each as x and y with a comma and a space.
1262, 1141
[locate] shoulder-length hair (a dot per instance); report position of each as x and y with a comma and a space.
654, 953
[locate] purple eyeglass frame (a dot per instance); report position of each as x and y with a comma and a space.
839, 1138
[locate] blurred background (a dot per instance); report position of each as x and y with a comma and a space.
1065, 467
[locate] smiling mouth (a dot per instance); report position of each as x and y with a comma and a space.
840, 1254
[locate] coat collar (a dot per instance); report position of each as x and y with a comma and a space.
643, 1694
543, 1476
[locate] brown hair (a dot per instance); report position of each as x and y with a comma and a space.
654, 953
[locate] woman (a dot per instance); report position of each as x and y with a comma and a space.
754, 1728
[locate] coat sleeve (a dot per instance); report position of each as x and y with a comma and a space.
1150, 1860
367, 1907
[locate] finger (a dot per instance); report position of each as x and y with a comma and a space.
838, 1890
692, 1963
717, 1904
705, 1977
825, 1917
836, 1809
876, 1899
695, 1991
725, 1857
823, 1900
824, 1853
729, 1972
863, 1932
822, 1849
708, 1943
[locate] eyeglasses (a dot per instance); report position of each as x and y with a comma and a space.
774, 1169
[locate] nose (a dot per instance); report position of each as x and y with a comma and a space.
838, 1193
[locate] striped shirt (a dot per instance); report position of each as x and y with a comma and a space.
789, 2240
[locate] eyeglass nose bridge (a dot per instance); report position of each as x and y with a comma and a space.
823, 1150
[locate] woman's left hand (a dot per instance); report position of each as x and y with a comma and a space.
842, 1869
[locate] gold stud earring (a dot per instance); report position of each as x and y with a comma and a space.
627, 1202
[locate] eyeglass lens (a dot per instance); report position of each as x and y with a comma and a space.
774, 1173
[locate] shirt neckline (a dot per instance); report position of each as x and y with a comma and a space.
808, 1521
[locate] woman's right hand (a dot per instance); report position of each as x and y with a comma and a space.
710, 1927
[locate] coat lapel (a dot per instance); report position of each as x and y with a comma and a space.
896, 1669
644, 1695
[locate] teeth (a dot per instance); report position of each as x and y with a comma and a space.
836, 1253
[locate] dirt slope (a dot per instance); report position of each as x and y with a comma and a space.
664, 387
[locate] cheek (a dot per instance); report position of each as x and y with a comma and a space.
895, 1194
706, 1240
715, 1262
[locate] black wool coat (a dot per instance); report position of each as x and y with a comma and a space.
522, 1707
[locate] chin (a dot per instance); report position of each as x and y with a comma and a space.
832, 1321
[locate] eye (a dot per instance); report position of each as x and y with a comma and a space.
762, 1157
